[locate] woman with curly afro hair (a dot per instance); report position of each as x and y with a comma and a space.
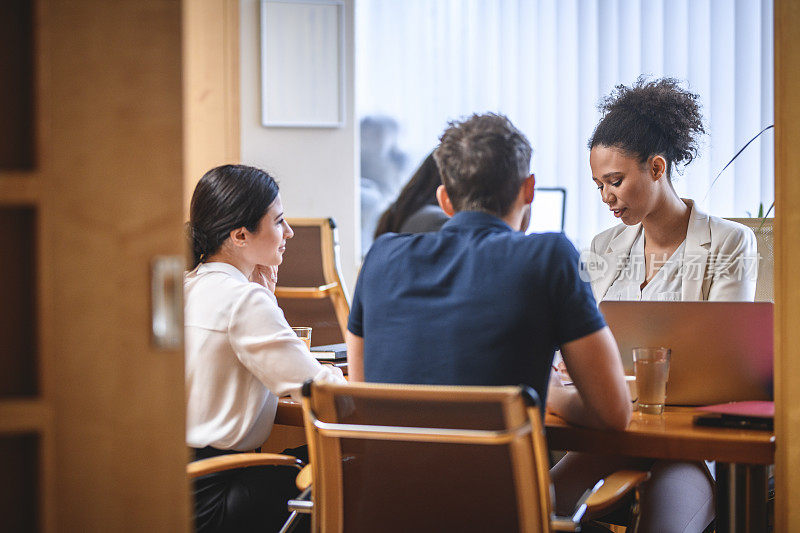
673, 250
664, 249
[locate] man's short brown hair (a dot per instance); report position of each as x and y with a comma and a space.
483, 161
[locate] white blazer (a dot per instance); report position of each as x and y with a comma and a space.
720, 259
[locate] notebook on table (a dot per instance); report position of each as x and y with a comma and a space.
721, 351
330, 352
739, 415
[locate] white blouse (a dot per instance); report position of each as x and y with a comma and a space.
241, 355
665, 285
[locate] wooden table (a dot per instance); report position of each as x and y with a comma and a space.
741, 455
670, 436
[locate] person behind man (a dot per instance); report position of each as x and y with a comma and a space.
415, 210
478, 303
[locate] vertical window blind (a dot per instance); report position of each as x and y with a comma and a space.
546, 64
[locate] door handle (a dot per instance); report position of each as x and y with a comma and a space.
166, 283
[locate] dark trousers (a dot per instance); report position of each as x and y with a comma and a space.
246, 499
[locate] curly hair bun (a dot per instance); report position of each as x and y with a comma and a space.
649, 118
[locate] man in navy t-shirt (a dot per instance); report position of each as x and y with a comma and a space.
479, 302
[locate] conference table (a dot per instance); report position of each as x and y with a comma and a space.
742, 455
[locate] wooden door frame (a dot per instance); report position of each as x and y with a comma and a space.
787, 257
219, 113
109, 164
211, 81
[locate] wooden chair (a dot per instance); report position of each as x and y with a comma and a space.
425, 458
762, 227
310, 288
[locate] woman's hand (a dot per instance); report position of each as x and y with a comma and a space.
266, 275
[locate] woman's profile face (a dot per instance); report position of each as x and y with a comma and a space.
626, 186
267, 244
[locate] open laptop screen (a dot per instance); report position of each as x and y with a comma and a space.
721, 351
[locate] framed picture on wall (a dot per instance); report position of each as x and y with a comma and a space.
302, 63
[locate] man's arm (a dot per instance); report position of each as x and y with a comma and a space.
355, 356
600, 397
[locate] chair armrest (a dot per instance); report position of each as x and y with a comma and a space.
561, 523
301, 504
573, 523
313, 293
303, 480
239, 460
616, 487
600, 498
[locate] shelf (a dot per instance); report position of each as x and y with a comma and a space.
19, 188
24, 416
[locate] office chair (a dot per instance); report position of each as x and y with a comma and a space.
434, 458
220, 463
310, 288
762, 227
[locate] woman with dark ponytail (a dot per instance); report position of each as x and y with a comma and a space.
241, 355
664, 249
416, 209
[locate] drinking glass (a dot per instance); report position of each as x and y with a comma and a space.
304, 334
651, 366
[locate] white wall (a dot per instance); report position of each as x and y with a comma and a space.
316, 168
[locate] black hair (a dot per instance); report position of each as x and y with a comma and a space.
483, 162
651, 118
417, 193
226, 198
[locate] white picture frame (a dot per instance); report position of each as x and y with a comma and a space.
302, 63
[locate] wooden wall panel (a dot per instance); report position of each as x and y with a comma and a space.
211, 88
787, 259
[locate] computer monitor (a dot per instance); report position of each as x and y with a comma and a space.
548, 209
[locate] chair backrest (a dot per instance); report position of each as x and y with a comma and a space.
310, 288
426, 458
762, 227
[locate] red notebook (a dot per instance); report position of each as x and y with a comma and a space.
753, 409
741, 415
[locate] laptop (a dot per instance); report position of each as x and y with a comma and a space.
721, 351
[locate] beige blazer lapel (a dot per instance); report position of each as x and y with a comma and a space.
694, 285
616, 256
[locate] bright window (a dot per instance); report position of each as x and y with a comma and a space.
547, 63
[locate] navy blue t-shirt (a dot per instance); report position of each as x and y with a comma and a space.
472, 304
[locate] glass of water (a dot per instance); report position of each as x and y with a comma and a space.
304, 334
651, 366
